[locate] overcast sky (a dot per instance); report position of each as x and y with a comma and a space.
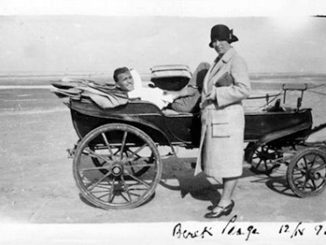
48, 38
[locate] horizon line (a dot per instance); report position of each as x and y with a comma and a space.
29, 75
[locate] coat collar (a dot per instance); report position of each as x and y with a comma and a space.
220, 61
228, 55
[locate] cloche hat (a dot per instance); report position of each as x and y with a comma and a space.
222, 33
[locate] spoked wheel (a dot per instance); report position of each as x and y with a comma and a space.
138, 171
306, 173
263, 158
117, 166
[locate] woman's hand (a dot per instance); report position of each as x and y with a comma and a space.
208, 99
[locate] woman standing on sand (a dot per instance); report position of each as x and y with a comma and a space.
221, 149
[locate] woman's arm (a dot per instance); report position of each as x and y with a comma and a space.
239, 90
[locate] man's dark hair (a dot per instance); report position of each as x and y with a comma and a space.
119, 71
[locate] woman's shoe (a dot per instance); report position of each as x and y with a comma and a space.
222, 211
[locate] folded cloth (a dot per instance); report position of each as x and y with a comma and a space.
62, 93
105, 96
72, 83
112, 98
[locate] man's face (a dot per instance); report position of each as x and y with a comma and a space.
125, 81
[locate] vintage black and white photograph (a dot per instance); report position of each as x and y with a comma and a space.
162, 122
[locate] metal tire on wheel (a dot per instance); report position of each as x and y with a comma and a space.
117, 166
306, 173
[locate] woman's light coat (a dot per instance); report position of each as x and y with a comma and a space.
222, 132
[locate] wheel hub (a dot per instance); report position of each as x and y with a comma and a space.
314, 175
117, 169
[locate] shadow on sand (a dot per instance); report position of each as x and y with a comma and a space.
178, 175
276, 181
182, 171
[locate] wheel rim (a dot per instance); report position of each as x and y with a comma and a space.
117, 166
263, 158
307, 173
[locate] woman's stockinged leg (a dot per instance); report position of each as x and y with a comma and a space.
226, 203
229, 185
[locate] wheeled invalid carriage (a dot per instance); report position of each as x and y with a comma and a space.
116, 162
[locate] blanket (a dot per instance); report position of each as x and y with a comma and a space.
104, 96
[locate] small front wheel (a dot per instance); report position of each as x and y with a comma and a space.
117, 166
263, 158
306, 173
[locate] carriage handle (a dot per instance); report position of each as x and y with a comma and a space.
294, 87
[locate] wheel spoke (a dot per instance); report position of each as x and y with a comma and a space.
306, 183
258, 164
104, 195
305, 162
321, 167
134, 154
103, 186
138, 150
139, 180
123, 143
297, 170
126, 187
123, 196
142, 158
117, 151
133, 187
313, 183
300, 177
135, 194
313, 160
107, 143
131, 168
111, 193
93, 154
101, 191
128, 193
94, 168
140, 165
93, 185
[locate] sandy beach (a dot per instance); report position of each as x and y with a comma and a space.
37, 185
